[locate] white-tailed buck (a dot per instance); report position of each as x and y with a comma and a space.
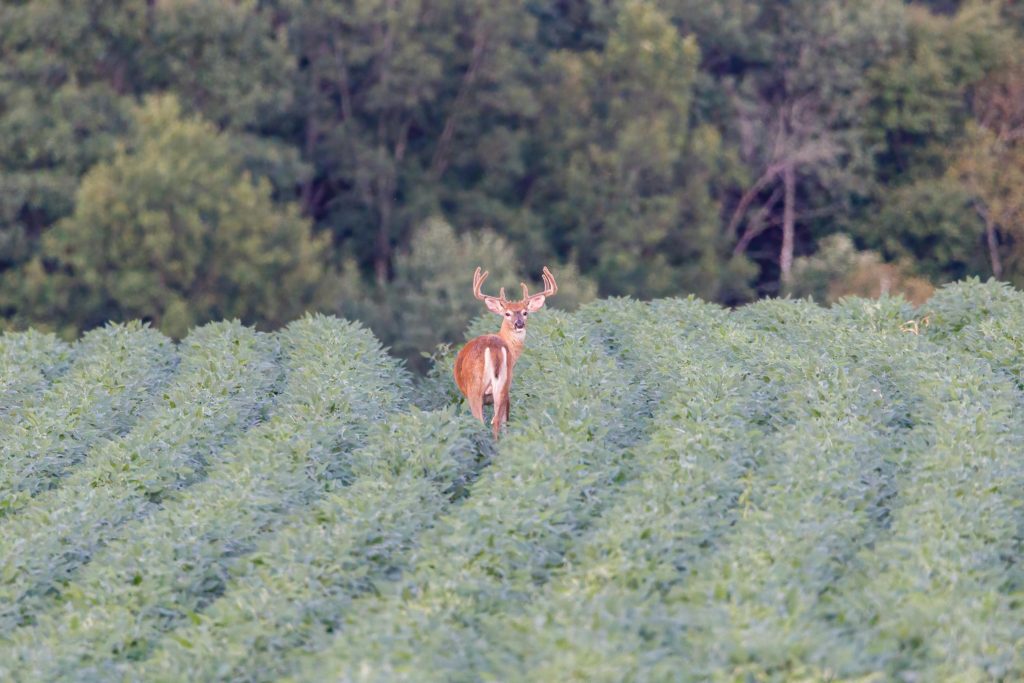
483, 368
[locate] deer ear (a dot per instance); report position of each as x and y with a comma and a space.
494, 306
535, 303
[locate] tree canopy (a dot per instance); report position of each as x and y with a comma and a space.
181, 161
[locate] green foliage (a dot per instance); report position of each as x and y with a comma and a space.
731, 405
171, 229
28, 361
548, 480
931, 224
918, 106
171, 161
171, 564
292, 593
839, 269
979, 319
960, 305
919, 119
631, 194
56, 118
113, 378
71, 70
224, 61
684, 492
409, 110
226, 379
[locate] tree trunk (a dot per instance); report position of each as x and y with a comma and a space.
382, 247
788, 225
312, 133
993, 246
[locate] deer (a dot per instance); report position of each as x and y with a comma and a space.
483, 368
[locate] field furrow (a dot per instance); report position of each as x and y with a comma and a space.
292, 594
226, 380
114, 376
29, 361
928, 599
173, 563
824, 491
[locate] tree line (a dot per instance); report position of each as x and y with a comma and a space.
183, 160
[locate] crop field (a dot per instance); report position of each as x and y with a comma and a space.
685, 493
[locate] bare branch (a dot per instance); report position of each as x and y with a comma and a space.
749, 196
758, 224
990, 238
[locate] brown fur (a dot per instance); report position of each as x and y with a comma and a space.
477, 386
483, 368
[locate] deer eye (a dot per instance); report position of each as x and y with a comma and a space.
526, 313
508, 314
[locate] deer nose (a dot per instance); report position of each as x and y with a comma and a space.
519, 324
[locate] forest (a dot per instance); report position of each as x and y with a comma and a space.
181, 161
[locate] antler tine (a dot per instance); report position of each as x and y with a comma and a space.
550, 286
478, 281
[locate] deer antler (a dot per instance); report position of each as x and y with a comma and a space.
550, 286
478, 280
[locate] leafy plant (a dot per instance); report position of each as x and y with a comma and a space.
685, 492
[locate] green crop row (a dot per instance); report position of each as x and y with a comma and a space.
781, 492
292, 593
937, 597
114, 374
686, 577
561, 633
956, 306
984, 320
225, 382
822, 491
747, 610
28, 362
170, 565
651, 341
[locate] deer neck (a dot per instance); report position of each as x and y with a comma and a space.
515, 342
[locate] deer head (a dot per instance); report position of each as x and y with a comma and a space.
514, 313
